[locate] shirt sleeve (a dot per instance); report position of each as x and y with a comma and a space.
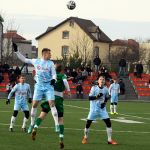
24, 59
66, 84
109, 90
92, 91
53, 71
12, 91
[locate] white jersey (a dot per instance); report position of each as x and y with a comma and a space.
22, 91
114, 89
45, 69
96, 104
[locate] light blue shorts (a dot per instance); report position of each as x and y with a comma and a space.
99, 114
21, 105
114, 99
43, 90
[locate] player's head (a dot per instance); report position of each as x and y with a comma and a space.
101, 80
21, 78
46, 53
59, 68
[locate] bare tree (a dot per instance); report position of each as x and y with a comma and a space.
8, 55
82, 46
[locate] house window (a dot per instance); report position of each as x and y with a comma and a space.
65, 51
65, 35
96, 51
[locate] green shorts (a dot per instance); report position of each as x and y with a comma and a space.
58, 104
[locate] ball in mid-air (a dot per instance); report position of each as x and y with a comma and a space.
71, 5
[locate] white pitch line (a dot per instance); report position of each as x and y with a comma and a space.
119, 113
77, 129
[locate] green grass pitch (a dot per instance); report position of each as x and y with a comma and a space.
130, 136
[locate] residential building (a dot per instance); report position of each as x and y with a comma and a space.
75, 35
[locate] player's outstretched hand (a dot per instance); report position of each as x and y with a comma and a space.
99, 95
30, 100
7, 101
52, 81
15, 47
103, 105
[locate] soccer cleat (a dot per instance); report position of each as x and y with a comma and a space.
111, 113
112, 142
61, 145
30, 129
84, 140
115, 113
24, 130
34, 134
57, 129
11, 130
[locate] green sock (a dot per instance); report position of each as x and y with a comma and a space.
61, 134
38, 122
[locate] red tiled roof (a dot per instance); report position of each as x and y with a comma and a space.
13, 34
129, 42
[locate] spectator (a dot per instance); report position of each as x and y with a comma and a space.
134, 71
89, 70
6, 67
12, 78
149, 83
79, 90
97, 62
139, 69
84, 75
17, 71
74, 75
122, 67
122, 86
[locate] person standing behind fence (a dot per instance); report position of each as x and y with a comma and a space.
122, 67
139, 69
97, 62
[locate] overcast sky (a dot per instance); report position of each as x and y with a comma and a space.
117, 18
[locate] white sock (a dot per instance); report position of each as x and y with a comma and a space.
86, 132
115, 108
33, 115
12, 122
111, 108
109, 133
25, 120
55, 115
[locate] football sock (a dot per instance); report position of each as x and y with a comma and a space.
33, 115
109, 133
115, 108
111, 109
61, 134
12, 122
38, 122
55, 115
25, 120
86, 132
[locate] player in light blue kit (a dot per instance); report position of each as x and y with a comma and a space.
98, 97
45, 79
22, 91
114, 91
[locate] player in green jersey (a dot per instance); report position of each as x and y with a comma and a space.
60, 86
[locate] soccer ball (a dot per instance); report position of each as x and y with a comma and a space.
71, 5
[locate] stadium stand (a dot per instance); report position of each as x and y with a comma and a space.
140, 85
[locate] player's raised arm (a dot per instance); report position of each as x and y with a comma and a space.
20, 56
